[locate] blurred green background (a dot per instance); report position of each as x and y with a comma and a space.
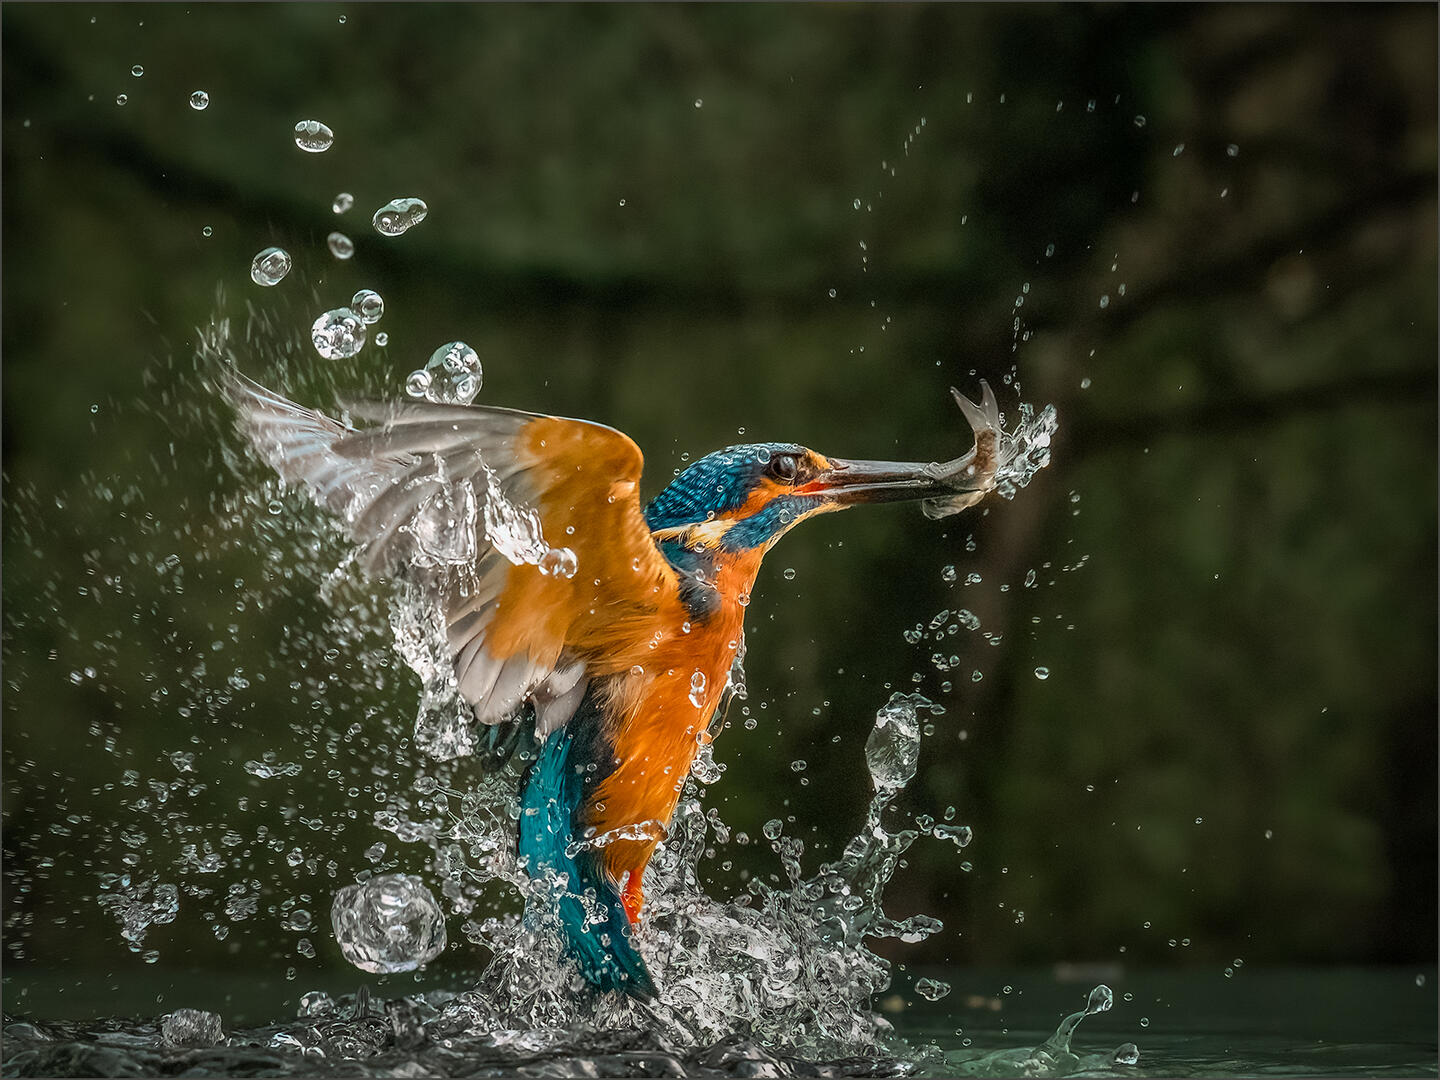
1206, 234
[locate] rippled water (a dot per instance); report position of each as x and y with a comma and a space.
1323, 1022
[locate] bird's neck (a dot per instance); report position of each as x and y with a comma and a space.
712, 577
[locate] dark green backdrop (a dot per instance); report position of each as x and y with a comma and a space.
1215, 226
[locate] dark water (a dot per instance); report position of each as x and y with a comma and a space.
1289, 1022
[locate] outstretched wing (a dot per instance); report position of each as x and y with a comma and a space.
527, 528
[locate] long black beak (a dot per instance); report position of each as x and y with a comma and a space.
947, 487
851, 482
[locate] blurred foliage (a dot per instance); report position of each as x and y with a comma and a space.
638, 215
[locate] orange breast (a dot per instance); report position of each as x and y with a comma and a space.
659, 718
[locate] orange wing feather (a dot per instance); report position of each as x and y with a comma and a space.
513, 631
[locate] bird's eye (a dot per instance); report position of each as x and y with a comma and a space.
784, 467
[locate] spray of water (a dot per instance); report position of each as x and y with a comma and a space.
785, 967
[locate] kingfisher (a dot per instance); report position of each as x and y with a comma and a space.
598, 630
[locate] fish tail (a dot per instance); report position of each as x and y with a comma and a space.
597, 933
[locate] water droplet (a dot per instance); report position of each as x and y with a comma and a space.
342, 20
382, 339
948, 573
832, 294
931, 989
558, 562
856, 204
338, 334
959, 835
121, 99
1042, 673
199, 101
1104, 302
451, 376
399, 215
789, 574
1139, 121
1085, 383
389, 923
137, 71
893, 747
344, 201
1419, 980
313, 137
699, 103
207, 231
1232, 150
1100, 1000
1178, 150
773, 828
368, 304
340, 245
1127, 1054
1144, 1021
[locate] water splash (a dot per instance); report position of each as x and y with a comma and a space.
1025, 450
1054, 1057
751, 983
388, 923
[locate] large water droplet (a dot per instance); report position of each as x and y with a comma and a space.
199, 100
558, 562
959, 835
270, 266
399, 215
931, 989
340, 245
452, 375
338, 334
368, 304
313, 137
893, 748
389, 923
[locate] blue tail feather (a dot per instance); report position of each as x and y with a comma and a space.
553, 789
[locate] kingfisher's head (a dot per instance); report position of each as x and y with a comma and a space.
744, 498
